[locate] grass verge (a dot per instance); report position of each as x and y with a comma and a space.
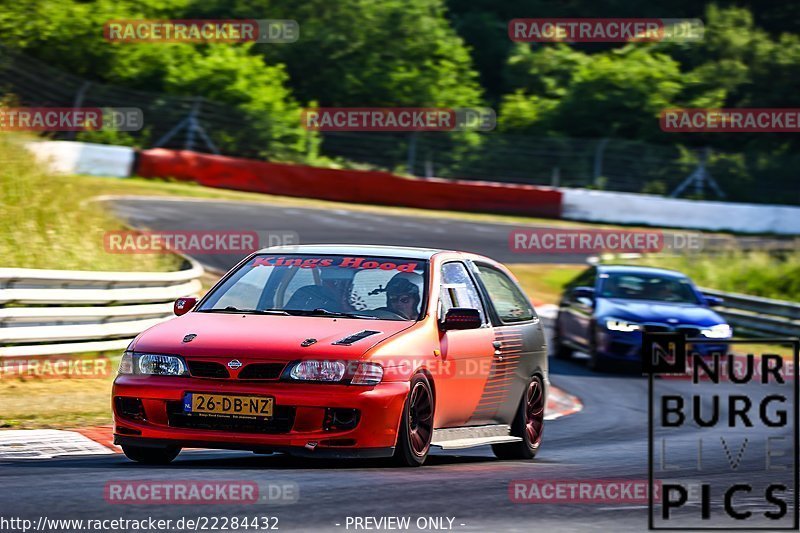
545, 283
57, 402
47, 222
756, 273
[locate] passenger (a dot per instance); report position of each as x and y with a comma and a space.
402, 297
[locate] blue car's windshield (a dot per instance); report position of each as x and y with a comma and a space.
646, 286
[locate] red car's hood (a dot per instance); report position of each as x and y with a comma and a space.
275, 337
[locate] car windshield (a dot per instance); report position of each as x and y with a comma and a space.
645, 286
386, 288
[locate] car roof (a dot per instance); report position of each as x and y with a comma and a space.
401, 252
633, 269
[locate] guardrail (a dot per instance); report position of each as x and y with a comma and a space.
758, 316
50, 312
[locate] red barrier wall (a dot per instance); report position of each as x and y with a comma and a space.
371, 187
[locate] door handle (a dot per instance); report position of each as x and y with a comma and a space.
497, 346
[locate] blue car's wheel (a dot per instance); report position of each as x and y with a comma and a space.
560, 350
596, 362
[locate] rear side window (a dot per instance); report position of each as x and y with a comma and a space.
510, 303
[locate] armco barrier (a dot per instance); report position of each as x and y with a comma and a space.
67, 157
373, 187
51, 312
629, 208
763, 317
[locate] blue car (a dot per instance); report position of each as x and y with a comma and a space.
604, 311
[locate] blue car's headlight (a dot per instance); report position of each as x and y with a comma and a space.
618, 324
720, 331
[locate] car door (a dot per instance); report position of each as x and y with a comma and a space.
466, 354
520, 349
575, 312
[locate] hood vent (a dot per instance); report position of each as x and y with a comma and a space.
355, 337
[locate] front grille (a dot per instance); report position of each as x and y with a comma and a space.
657, 328
262, 371
691, 331
281, 422
207, 369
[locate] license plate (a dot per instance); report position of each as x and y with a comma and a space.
224, 404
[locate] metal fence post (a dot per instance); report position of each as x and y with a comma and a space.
412, 152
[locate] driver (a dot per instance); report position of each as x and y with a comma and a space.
332, 294
402, 297
336, 285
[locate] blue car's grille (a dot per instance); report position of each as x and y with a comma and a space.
657, 328
690, 331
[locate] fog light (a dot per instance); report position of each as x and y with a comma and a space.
130, 408
340, 419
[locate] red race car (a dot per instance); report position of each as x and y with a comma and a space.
340, 351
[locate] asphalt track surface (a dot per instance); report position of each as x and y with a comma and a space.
606, 441
327, 226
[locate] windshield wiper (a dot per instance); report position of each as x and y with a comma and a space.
235, 310
324, 312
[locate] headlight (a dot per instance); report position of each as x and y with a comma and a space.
720, 331
617, 324
336, 372
329, 371
149, 364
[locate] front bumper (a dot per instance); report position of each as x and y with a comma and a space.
300, 410
627, 346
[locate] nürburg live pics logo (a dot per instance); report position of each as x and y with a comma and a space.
723, 432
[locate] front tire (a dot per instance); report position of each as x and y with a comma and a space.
150, 456
596, 362
560, 350
528, 424
416, 424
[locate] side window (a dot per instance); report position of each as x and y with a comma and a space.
458, 289
511, 304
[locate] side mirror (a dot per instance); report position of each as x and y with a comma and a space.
461, 318
183, 305
713, 301
583, 295
583, 292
